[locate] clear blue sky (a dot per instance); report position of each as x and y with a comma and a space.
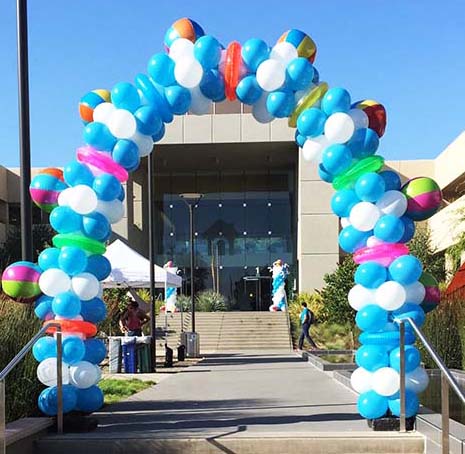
408, 54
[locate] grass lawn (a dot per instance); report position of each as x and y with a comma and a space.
115, 390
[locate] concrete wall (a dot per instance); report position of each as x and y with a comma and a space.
450, 164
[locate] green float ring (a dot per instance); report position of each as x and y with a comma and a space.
313, 96
74, 239
350, 176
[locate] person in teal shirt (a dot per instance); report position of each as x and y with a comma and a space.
306, 319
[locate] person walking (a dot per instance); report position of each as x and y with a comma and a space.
306, 319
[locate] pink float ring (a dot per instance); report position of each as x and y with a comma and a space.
100, 162
384, 254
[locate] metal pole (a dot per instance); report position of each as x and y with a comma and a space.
191, 218
153, 342
2, 418
59, 382
402, 377
24, 130
445, 413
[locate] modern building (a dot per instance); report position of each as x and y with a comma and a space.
261, 202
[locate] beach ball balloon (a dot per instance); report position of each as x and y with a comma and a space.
376, 113
45, 188
183, 28
20, 281
424, 198
90, 101
305, 45
432, 293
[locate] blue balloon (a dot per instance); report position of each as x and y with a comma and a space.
254, 51
43, 306
212, 86
207, 51
122, 195
412, 404
409, 226
148, 120
392, 180
125, 96
335, 100
299, 139
370, 187
405, 269
45, 347
370, 275
371, 405
48, 400
386, 339
389, 229
161, 133
95, 225
343, 201
94, 310
126, 154
89, 399
155, 96
95, 351
372, 357
413, 311
66, 304
161, 69
63, 219
371, 318
248, 91
179, 99
72, 260
73, 349
76, 173
324, 174
299, 74
351, 239
48, 258
337, 158
412, 358
363, 143
107, 187
99, 266
316, 76
311, 122
99, 136
280, 103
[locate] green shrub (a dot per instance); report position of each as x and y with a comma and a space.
210, 301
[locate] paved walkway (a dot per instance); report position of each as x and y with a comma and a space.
238, 394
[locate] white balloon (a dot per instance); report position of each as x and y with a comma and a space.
143, 142
271, 75
84, 374
313, 148
415, 293
386, 381
47, 372
85, 285
345, 222
417, 380
390, 295
374, 241
122, 124
284, 52
188, 72
63, 197
181, 49
361, 380
82, 199
359, 117
392, 202
54, 281
360, 296
200, 104
103, 112
339, 127
364, 216
260, 112
113, 210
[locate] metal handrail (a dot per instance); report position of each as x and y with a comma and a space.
447, 379
15, 361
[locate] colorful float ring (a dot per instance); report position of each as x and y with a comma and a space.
80, 241
384, 254
312, 97
100, 162
154, 97
232, 69
73, 326
350, 176
376, 113
386, 338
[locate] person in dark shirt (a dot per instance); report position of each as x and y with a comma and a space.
306, 319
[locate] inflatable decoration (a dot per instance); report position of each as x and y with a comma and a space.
170, 292
339, 136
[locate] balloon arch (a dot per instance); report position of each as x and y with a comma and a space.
377, 213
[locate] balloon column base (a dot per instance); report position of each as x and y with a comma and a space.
76, 423
390, 423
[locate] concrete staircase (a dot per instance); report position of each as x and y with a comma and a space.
229, 331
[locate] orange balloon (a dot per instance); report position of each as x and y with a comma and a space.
232, 69
73, 326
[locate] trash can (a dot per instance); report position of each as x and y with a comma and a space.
114, 353
181, 352
192, 345
129, 355
144, 359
